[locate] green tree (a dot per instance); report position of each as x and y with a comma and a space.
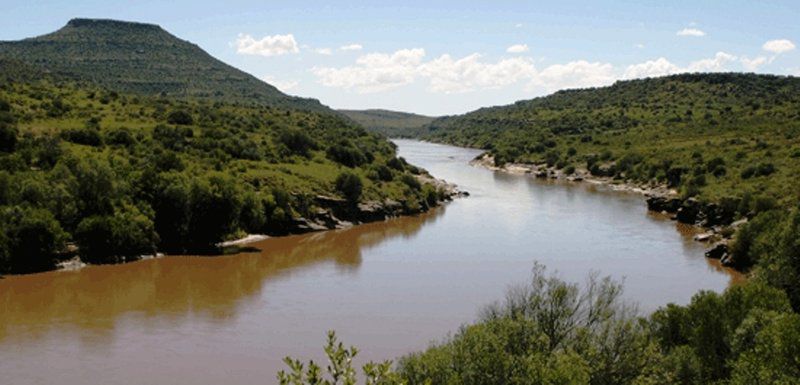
123, 236
32, 237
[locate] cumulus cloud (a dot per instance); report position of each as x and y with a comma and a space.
374, 72
323, 51
778, 46
691, 32
267, 46
450, 75
377, 72
518, 48
651, 68
663, 67
575, 74
753, 64
351, 47
716, 64
283, 85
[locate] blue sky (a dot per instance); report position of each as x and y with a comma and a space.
445, 57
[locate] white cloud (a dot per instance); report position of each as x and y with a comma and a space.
518, 25
691, 32
450, 75
716, 64
651, 68
323, 51
575, 74
518, 48
267, 46
351, 47
639, 46
778, 46
374, 72
663, 67
377, 72
283, 85
753, 64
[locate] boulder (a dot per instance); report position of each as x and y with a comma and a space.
689, 211
662, 203
718, 251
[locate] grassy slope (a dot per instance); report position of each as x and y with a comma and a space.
390, 123
654, 128
144, 59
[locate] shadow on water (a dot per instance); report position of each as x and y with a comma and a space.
177, 287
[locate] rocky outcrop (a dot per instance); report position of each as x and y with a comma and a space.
718, 250
336, 213
663, 204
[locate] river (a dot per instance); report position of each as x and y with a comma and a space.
388, 288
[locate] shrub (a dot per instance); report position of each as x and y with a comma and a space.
180, 117
346, 155
411, 181
8, 132
125, 235
297, 141
85, 136
32, 236
173, 138
120, 137
350, 186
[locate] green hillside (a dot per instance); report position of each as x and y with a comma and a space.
709, 135
392, 124
143, 59
109, 176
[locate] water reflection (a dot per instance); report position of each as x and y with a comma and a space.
177, 286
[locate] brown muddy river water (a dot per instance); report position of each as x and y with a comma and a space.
389, 287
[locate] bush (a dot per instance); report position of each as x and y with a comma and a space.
411, 181
762, 169
180, 117
32, 236
85, 136
297, 142
548, 330
346, 155
125, 235
8, 131
350, 186
384, 173
120, 137
173, 138
216, 204
396, 164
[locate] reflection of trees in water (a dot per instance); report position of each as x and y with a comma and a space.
178, 287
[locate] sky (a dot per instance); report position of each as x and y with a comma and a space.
449, 57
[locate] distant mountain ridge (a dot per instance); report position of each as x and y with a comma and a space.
144, 59
390, 123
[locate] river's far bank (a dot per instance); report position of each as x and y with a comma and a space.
717, 228
332, 213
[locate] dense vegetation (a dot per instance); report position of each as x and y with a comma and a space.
553, 332
712, 136
728, 139
121, 175
391, 124
144, 59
